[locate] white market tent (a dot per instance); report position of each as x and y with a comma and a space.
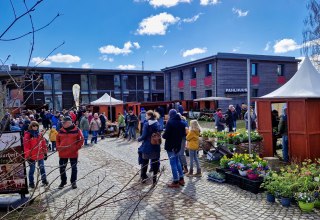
106, 99
212, 99
305, 83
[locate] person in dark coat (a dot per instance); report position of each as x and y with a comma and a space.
175, 131
147, 150
229, 118
103, 120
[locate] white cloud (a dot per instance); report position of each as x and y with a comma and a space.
236, 49
286, 45
106, 58
39, 61
64, 58
86, 66
136, 45
157, 25
157, 46
110, 49
167, 3
194, 51
58, 58
193, 19
240, 12
209, 2
126, 67
267, 46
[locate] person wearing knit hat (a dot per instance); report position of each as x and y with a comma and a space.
175, 131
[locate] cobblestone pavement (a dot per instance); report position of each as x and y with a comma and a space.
113, 162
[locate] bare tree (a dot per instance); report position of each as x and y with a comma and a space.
311, 32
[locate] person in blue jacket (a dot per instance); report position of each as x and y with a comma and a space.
147, 150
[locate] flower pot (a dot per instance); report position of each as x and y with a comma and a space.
285, 202
243, 173
271, 198
306, 207
253, 176
317, 203
234, 170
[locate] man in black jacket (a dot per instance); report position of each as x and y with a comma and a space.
175, 130
132, 121
229, 118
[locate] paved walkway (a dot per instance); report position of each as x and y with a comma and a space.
113, 162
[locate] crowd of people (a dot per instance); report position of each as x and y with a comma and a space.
68, 131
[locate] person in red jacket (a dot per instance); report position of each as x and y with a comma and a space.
69, 141
73, 116
35, 149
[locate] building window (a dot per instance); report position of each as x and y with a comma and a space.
254, 92
193, 94
209, 69
57, 81
146, 83
116, 81
93, 82
124, 82
153, 83
254, 69
193, 72
181, 75
208, 93
181, 96
84, 83
280, 70
47, 82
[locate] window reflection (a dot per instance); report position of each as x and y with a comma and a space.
47, 81
57, 81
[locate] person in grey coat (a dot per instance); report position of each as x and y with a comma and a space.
84, 126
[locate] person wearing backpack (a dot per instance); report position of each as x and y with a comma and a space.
142, 118
150, 147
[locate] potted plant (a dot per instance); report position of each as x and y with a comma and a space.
211, 136
243, 169
224, 162
305, 200
271, 185
205, 134
252, 172
285, 191
233, 166
217, 177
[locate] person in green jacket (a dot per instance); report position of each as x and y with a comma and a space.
121, 124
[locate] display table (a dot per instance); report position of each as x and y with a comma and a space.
241, 181
111, 130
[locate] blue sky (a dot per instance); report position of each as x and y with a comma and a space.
120, 34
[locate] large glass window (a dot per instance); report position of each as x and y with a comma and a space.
193, 72
85, 99
153, 83
280, 70
124, 82
84, 83
209, 69
146, 83
254, 69
58, 102
57, 81
254, 92
93, 82
117, 83
47, 81
181, 74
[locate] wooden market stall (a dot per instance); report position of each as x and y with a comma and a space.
109, 105
301, 96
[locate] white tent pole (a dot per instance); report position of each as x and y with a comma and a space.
248, 103
110, 108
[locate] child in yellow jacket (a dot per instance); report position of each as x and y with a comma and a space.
53, 137
193, 146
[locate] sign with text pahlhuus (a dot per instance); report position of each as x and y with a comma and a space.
13, 178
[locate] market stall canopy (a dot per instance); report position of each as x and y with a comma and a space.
106, 100
212, 99
304, 84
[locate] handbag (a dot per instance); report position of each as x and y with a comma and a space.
156, 138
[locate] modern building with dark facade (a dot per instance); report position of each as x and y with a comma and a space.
56, 88
225, 75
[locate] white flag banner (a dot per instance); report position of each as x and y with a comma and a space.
76, 94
